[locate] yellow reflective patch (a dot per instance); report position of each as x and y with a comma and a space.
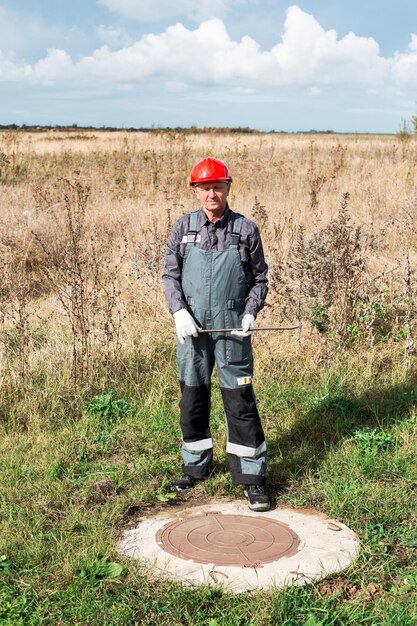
245, 380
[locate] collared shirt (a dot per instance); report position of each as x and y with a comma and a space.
217, 236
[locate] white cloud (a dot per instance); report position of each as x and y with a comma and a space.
56, 65
314, 91
306, 55
405, 65
113, 37
11, 71
309, 54
154, 10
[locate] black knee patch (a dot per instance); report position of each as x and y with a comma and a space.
195, 412
244, 424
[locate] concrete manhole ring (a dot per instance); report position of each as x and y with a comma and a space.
224, 544
239, 540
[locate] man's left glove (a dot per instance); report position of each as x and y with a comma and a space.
248, 323
185, 325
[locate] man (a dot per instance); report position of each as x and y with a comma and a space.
215, 277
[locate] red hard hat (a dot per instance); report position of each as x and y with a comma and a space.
209, 169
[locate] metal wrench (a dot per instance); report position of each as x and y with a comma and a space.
229, 330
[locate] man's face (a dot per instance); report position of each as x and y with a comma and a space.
213, 196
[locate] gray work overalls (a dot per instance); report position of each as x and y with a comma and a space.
215, 288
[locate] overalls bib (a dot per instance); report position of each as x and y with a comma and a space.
215, 288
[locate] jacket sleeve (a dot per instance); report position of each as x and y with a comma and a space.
258, 286
173, 268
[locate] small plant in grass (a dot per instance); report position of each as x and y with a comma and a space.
165, 497
100, 570
380, 537
57, 470
339, 405
4, 564
353, 331
312, 620
320, 319
14, 607
410, 583
108, 407
373, 440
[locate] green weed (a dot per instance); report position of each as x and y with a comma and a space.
373, 440
99, 570
108, 407
320, 319
4, 564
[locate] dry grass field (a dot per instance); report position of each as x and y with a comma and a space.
88, 393
85, 217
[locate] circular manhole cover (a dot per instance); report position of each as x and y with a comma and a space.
237, 540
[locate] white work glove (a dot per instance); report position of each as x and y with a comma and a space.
248, 323
185, 325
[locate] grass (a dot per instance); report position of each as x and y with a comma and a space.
342, 444
89, 433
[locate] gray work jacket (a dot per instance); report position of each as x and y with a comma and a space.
216, 236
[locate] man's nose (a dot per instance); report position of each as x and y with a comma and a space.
212, 192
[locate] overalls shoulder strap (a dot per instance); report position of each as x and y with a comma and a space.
192, 228
237, 227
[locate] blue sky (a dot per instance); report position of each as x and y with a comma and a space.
269, 64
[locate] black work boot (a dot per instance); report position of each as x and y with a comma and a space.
258, 499
184, 483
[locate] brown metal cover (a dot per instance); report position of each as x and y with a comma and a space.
237, 540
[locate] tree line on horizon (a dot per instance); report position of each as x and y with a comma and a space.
155, 129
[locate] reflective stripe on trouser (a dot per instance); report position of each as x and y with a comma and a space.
215, 288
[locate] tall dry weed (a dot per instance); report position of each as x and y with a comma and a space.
81, 270
81, 255
15, 335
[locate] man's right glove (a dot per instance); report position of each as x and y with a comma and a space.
185, 325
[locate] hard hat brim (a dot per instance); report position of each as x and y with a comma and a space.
192, 183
